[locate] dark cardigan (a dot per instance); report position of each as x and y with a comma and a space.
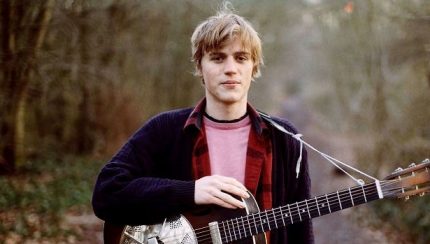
150, 178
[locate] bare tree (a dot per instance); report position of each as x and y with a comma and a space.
24, 26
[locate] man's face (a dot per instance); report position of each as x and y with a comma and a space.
227, 73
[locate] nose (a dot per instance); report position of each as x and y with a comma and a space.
230, 66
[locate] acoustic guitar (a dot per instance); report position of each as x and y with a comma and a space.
218, 225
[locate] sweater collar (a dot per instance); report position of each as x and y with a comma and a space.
195, 119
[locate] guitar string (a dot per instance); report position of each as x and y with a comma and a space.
275, 218
313, 206
204, 232
272, 216
295, 211
295, 214
208, 238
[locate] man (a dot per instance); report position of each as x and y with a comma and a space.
212, 153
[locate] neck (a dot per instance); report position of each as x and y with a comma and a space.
226, 112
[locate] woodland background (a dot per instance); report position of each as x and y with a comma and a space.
78, 77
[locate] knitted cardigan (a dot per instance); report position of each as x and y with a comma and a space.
150, 178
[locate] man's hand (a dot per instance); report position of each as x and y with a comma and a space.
216, 189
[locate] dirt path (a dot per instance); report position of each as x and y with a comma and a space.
88, 226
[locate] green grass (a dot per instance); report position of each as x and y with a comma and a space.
34, 201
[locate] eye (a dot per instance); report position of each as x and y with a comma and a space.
242, 58
216, 58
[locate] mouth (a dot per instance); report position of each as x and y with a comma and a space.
230, 82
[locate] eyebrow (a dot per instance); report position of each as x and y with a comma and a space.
214, 53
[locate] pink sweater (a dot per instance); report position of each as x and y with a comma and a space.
228, 143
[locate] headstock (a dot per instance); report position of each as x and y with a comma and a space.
403, 183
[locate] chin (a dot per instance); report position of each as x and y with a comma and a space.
230, 101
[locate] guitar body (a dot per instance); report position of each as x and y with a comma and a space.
189, 228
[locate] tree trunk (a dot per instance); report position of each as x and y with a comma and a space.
17, 68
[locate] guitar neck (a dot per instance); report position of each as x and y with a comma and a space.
252, 224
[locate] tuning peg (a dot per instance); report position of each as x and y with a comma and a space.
422, 194
425, 161
412, 165
406, 198
398, 170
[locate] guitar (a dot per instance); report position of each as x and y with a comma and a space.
212, 224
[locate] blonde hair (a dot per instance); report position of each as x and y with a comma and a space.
214, 32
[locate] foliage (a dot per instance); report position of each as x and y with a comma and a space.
406, 217
106, 66
378, 80
34, 202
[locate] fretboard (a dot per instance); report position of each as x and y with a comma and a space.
252, 224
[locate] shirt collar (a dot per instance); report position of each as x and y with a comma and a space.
196, 117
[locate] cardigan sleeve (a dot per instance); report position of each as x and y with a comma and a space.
130, 188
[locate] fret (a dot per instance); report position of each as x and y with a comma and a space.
346, 199
225, 233
338, 198
323, 206
238, 228
244, 228
334, 202
313, 208
234, 229
249, 226
328, 203
255, 224
298, 210
268, 221
274, 217
352, 199
373, 193
282, 216
364, 193
307, 207
261, 223
319, 212
231, 236
289, 211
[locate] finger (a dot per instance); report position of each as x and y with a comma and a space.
233, 186
220, 202
229, 199
235, 182
234, 190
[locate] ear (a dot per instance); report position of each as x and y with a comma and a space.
199, 72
